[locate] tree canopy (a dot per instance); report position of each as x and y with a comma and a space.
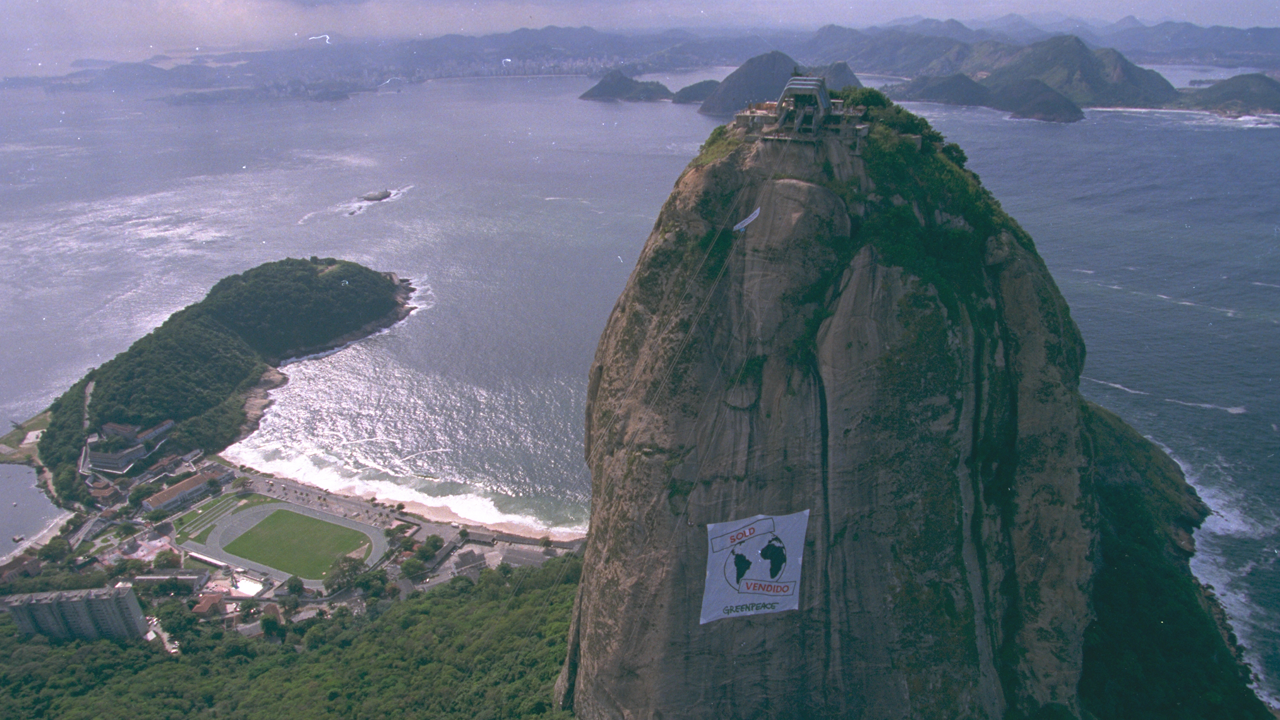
491, 650
195, 367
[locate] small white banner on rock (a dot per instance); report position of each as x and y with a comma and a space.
753, 565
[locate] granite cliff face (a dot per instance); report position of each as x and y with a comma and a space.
883, 347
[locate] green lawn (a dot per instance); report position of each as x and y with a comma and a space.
253, 500
201, 537
296, 544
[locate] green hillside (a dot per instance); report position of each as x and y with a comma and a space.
1249, 94
616, 86
1102, 78
195, 367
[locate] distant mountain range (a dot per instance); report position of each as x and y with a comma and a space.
1088, 64
1164, 43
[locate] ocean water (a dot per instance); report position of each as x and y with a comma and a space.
1162, 229
519, 212
24, 510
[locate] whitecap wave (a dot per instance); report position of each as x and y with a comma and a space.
1117, 386
1228, 514
326, 473
1229, 519
1238, 410
1201, 118
345, 160
423, 298
1211, 569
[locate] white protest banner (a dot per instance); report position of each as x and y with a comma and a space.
743, 225
753, 565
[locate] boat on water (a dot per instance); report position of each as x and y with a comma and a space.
18, 538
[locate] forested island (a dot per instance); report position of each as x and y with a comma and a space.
486, 642
198, 368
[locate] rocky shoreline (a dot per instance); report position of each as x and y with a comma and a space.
404, 292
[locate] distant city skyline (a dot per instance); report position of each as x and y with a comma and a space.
42, 37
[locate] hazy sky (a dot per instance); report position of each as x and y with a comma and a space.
42, 36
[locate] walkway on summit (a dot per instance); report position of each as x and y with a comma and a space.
231, 526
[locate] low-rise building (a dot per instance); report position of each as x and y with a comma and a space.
164, 466
804, 108
103, 491
469, 563
155, 432
194, 578
19, 566
210, 605
116, 462
128, 433
85, 614
191, 488
525, 556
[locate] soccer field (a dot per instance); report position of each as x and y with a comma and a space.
296, 544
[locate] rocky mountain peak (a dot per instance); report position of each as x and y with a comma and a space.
844, 324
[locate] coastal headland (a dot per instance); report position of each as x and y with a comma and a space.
115, 444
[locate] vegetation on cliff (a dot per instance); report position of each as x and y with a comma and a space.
1153, 652
489, 650
914, 169
616, 86
195, 367
1087, 77
1249, 94
1032, 99
758, 80
696, 92
957, 89
1028, 98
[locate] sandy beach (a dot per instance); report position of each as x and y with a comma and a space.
441, 513
259, 403
419, 506
38, 541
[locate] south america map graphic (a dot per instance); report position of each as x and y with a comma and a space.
753, 565
759, 558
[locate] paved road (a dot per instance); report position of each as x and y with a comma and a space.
233, 525
306, 496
